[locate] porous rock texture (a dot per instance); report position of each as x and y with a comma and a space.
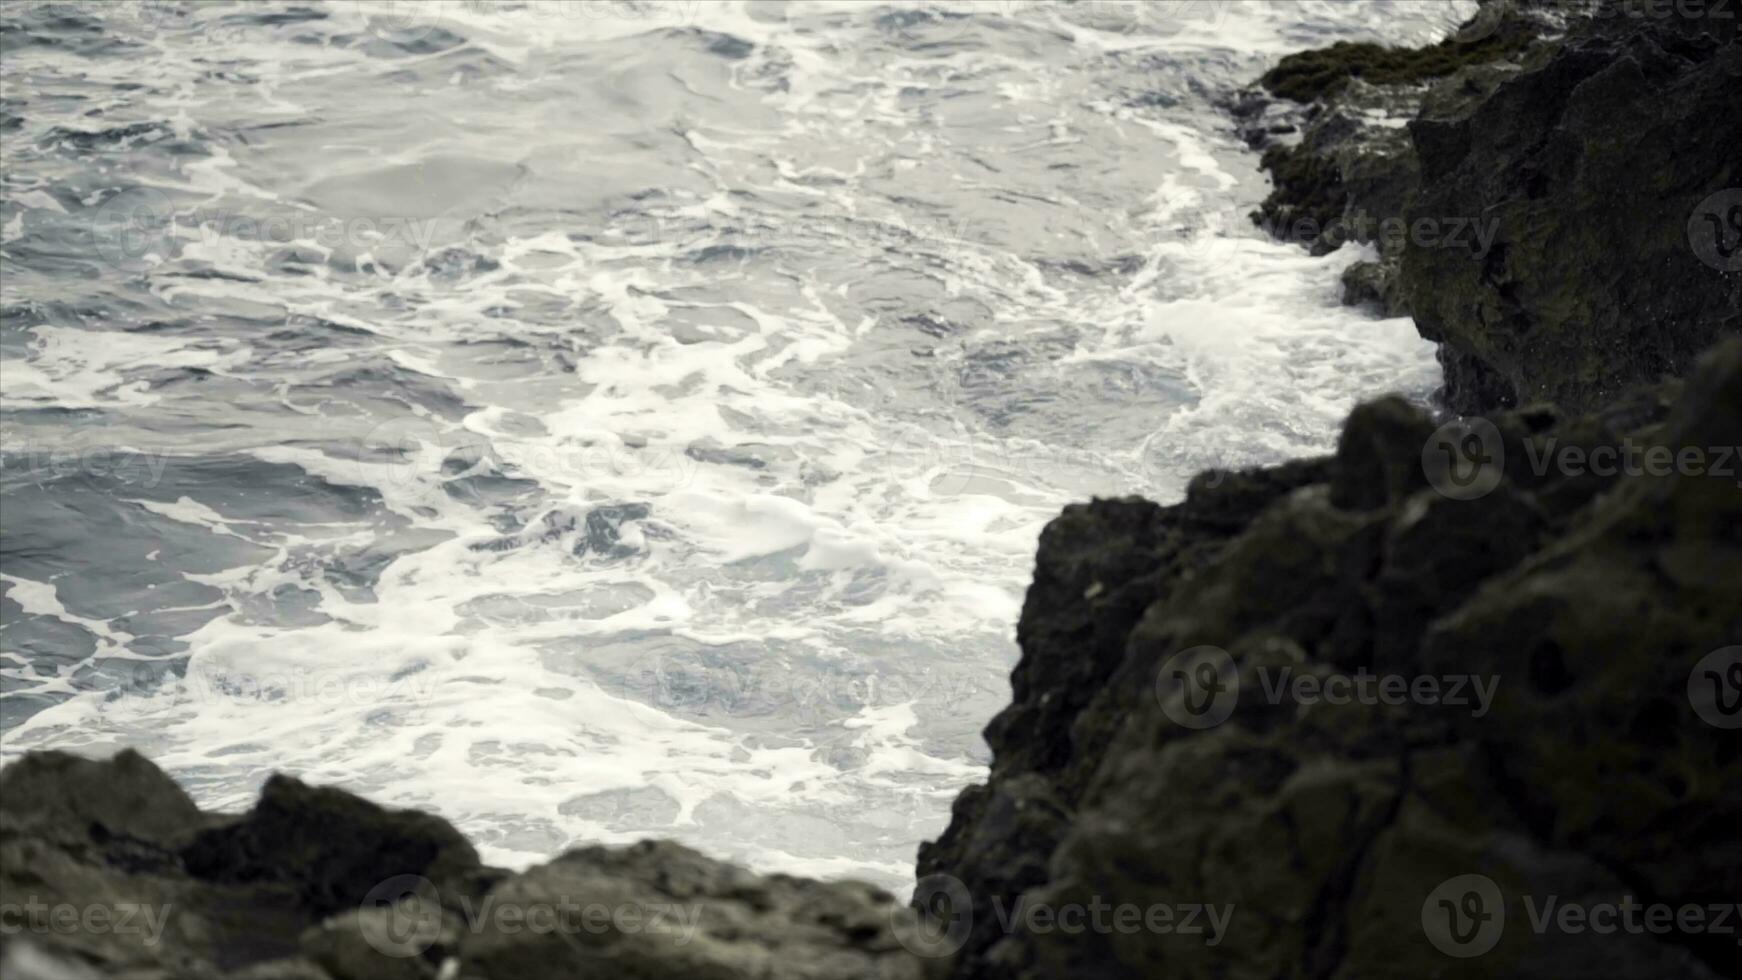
1594, 167
1332, 125
1585, 601
1543, 214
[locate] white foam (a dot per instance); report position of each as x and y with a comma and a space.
789, 658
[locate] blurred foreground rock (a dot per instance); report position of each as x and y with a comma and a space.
107, 869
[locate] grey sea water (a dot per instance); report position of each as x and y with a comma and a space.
594, 421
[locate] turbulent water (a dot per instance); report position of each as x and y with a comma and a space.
594, 421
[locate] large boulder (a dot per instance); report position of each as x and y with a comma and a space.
1530, 637
94, 883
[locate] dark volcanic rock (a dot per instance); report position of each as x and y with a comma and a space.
696, 917
1563, 212
1592, 168
1352, 171
107, 869
1326, 829
331, 847
1308, 76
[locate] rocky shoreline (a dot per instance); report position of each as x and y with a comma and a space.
109, 870
1391, 712
1533, 186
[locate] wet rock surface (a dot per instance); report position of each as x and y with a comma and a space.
1333, 126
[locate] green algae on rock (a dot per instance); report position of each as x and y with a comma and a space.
1323, 72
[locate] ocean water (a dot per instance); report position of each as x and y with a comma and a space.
593, 421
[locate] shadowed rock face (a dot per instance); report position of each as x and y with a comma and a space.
1582, 603
108, 869
1332, 127
1595, 168
1563, 212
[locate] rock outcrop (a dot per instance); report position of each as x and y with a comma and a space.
107, 869
1536, 197
1611, 177
1563, 211
1545, 628
1333, 128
